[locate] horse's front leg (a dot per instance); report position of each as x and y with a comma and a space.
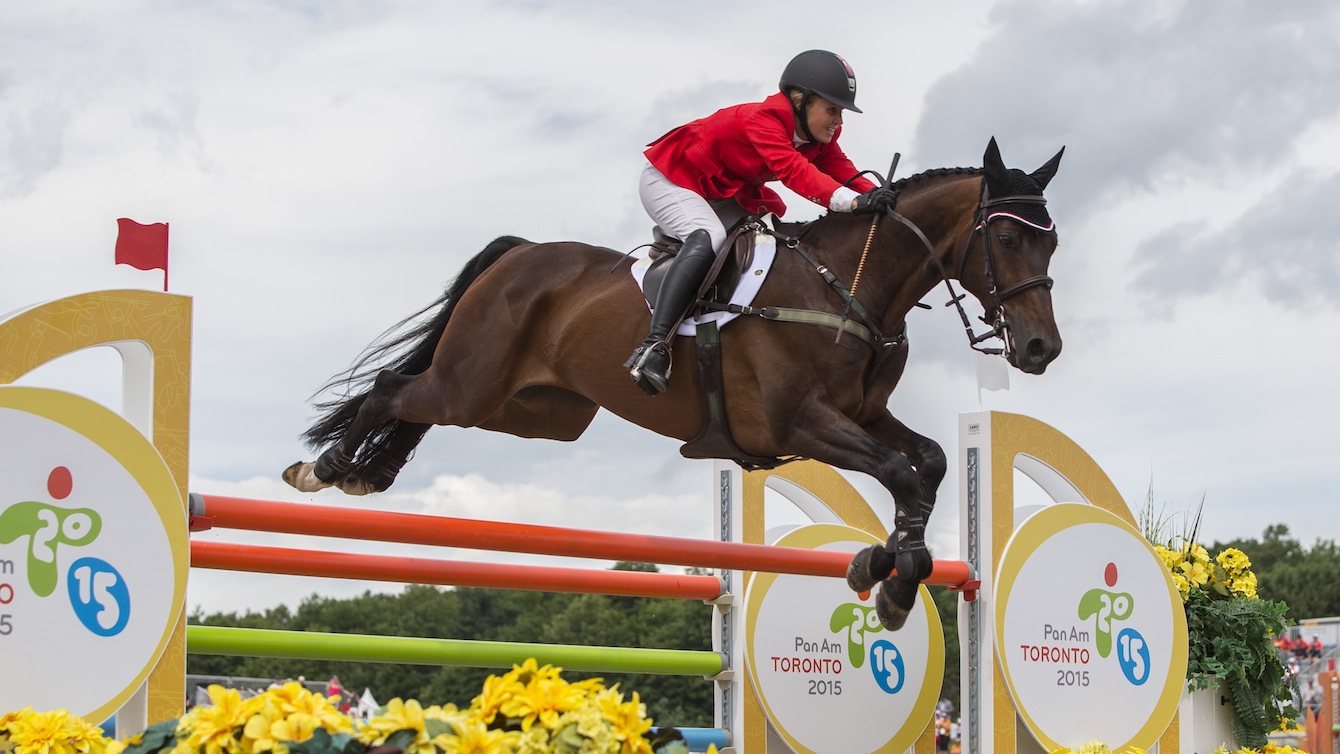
925, 455
905, 554
846, 445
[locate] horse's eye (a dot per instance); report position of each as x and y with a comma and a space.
1005, 239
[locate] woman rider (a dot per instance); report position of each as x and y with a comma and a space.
703, 177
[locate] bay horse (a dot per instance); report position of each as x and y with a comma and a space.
529, 340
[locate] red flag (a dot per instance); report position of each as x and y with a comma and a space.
144, 247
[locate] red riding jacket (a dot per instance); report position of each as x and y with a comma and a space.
731, 153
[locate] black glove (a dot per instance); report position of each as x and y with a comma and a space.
875, 200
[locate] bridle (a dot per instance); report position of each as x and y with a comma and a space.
995, 313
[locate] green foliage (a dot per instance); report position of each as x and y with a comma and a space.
1302, 576
322, 742
947, 603
1232, 640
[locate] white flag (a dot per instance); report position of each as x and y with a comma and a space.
993, 372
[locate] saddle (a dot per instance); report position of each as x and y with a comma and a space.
722, 277
714, 440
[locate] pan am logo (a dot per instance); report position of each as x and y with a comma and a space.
98, 594
1105, 608
886, 661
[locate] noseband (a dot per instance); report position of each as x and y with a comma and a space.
995, 314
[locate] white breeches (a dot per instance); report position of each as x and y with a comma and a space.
679, 211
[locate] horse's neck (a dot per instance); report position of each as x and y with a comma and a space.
901, 262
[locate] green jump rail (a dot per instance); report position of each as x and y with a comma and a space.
406, 650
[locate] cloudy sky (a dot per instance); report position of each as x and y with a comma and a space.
327, 166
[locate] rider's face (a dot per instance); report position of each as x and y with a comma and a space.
823, 118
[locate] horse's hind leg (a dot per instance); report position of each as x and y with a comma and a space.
333, 466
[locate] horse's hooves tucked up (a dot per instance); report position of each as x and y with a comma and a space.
300, 476
895, 601
355, 485
859, 577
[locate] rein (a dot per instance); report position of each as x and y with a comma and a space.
867, 330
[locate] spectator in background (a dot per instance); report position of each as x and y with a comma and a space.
335, 692
1312, 697
1314, 651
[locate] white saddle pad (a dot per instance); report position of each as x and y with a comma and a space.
765, 249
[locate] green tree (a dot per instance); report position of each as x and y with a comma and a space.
947, 603
1287, 571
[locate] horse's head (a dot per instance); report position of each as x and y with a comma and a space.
1011, 246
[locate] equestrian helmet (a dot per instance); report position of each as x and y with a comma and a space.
823, 73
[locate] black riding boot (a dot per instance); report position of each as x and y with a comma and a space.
649, 366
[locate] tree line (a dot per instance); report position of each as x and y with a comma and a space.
1303, 577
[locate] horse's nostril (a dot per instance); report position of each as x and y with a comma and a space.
1037, 349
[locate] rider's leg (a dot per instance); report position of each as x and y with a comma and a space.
649, 366
685, 215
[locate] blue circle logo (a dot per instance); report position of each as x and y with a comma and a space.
886, 665
99, 596
1133, 656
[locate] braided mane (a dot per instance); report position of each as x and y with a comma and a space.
927, 175
800, 228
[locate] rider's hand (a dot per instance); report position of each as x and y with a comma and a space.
875, 200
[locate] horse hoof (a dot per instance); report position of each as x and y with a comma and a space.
300, 476
356, 486
859, 578
895, 601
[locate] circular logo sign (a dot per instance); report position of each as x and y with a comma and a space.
93, 554
1091, 635
830, 678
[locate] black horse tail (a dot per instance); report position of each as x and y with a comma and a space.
406, 348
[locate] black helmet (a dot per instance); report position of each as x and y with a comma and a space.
823, 73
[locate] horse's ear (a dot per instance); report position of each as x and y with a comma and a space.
992, 162
1044, 174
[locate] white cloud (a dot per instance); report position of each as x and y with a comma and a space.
326, 168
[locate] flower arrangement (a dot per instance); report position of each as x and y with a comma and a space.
55, 732
1230, 632
529, 710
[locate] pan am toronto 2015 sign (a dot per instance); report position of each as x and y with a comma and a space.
1087, 619
93, 554
830, 678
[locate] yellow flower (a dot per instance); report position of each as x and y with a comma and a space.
529, 670
209, 729
1171, 558
497, 690
1094, 747
1199, 554
294, 699
1183, 586
1245, 585
474, 737
1196, 572
628, 719
256, 734
534, 741
399, 715
1233, 560
543, 699
42, 732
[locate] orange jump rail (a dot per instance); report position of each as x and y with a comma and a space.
225, 512
410, 570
